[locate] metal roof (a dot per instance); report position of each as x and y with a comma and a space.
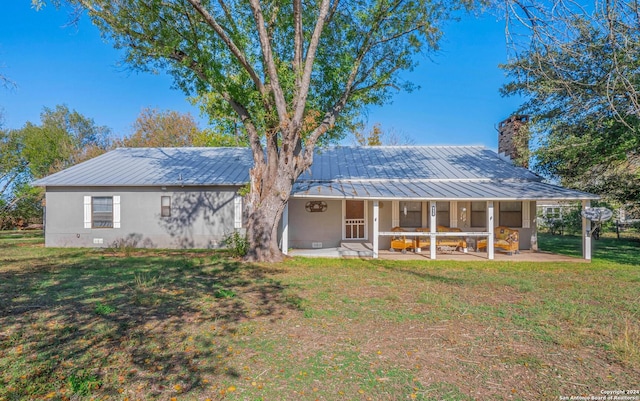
423, 172
412, 162
158, 166
394, 172
462, 190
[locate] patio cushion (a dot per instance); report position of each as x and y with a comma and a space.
506, 239
401, 242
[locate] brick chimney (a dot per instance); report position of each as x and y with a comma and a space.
513, 141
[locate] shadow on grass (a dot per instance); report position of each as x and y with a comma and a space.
151, 320
419, 273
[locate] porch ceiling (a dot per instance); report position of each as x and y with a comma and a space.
436, 190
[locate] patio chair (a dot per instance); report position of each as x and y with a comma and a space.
451, 242
423, 242
506, 239
401, 242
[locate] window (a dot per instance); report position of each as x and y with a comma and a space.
511, 214
165, 206
102, 212
410, 214
478, 214
553, 212
442, 214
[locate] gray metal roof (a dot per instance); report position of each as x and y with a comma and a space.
468, 190
407, 172
412, 162
158, 166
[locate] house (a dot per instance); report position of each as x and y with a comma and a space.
188, 197
151, 197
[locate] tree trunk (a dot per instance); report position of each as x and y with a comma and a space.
265, 212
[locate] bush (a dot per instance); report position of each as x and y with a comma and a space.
237, 244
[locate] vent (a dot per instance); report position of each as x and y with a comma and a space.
316, 245
98, 241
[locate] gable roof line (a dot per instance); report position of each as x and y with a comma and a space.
401, 146
411, 181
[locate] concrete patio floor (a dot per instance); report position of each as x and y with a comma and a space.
523, 256
352, 250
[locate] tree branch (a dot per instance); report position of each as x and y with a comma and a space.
269, 63
301, 99
239, 55
297, 41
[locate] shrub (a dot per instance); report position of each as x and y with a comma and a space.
236, 243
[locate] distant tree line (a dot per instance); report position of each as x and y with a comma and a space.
64, 137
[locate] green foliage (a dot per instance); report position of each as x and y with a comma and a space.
63, 138
82, 384
224, 293
236, 243
171, 38
103, 309
580, 76
168, 128
23, 205
244, 190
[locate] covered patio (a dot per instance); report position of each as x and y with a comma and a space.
372, 248
433, 195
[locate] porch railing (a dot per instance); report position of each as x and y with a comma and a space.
354, 229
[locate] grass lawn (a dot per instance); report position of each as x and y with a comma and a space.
191, 325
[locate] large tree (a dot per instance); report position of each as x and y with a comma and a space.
155, 128
579, 69
293, 73
63, 138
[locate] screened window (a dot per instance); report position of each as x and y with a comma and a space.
442, 214
553, 212
511, 214
102, 212
410, 214
478, 214
165, 206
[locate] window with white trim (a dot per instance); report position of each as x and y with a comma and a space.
102, 211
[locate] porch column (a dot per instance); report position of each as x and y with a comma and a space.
432, 229
376, 214
285, 229
490, 228
586, 232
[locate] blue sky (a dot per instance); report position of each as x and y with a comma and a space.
458, 102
